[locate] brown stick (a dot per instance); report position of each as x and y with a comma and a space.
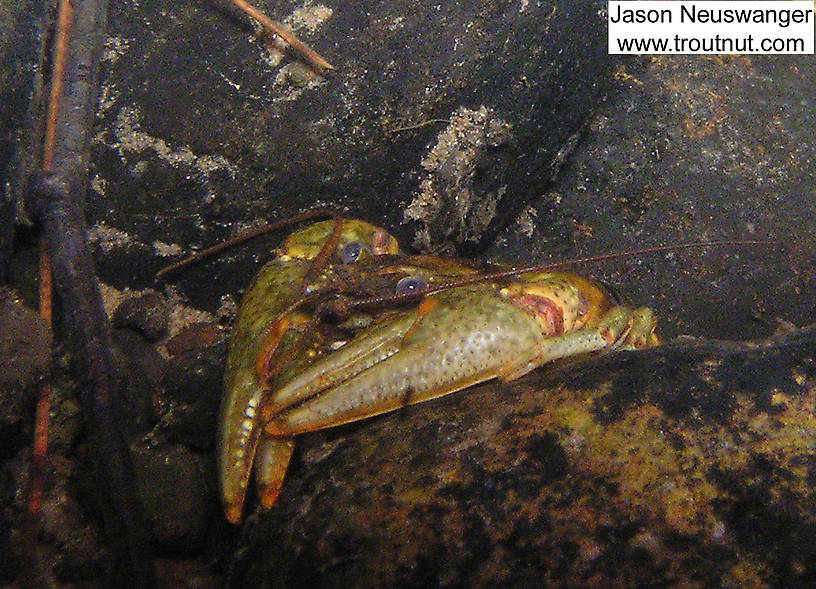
304, 50
64, 21
55, 199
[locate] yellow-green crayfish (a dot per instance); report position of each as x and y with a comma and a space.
368, 330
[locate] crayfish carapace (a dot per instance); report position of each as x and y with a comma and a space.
369, 330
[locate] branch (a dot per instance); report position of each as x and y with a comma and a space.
56, 200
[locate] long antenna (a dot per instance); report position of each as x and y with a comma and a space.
476, 279
246, 236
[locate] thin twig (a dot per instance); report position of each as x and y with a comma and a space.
64, 22
304, 50
39, 454
418, 125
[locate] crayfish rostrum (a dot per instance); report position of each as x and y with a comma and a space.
340, 326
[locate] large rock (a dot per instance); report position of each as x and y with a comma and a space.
175, 496
697, 148
440, 122
25, 356
687, 463
22, 35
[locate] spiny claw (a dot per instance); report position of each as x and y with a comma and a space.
371, 348
464, 339
466, 336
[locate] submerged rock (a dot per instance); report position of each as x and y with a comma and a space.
685, 463
25, 354
176, 496
192, 386
147, 314
439, 122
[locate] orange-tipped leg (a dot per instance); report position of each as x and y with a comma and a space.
271, 462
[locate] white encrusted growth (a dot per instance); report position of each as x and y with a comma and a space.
109, 238
115, 47
307, 18
166, 250
526, 221
447, 197
130, 138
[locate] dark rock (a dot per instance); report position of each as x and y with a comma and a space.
195, 374
25, 354
25, 344
140, 374
591, 476
689, 153
176, 496
193, 425
194, 337
447, 119
65, 424
22, 38
13, 469
186, 573
68, 544
192, 386
147, 314
78, 554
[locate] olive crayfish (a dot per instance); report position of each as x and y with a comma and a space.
340, 326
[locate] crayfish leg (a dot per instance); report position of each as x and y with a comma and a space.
619, 328
272, 338
271, 341
642, 334
271, 462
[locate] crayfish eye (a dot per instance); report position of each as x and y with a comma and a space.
411, 284
350, 252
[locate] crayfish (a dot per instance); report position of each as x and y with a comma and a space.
340, 326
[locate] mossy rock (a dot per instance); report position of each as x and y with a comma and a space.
680, 465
